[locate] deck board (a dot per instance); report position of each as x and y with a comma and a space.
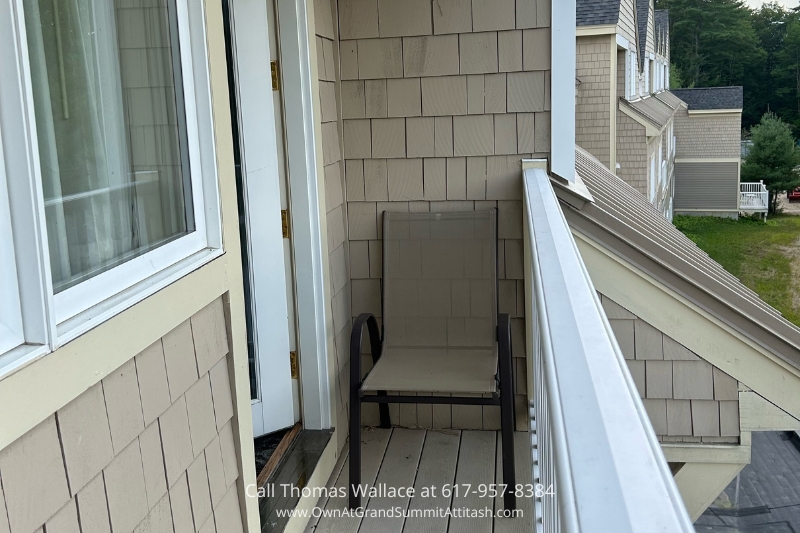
522, 469
373, 448
420, 458
437, 467
476, 466
399, 469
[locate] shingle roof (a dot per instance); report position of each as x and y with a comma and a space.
622, 220
662, 27
662, 19
711, 97
642, 13
597, 12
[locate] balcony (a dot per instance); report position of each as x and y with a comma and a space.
754, 198
591, 457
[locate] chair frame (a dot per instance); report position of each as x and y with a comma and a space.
504, 397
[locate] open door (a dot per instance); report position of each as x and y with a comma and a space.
263, 195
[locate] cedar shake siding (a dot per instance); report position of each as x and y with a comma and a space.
707, 136
593, 104
150, 447
686, 398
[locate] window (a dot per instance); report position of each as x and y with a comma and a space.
112, 156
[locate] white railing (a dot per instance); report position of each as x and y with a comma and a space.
753, 197
594, 451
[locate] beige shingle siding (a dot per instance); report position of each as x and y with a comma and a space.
593, 105
632, 151
686, 398
627, 22
118, 457
480, 115
707, 136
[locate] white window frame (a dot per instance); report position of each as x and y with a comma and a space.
49, 320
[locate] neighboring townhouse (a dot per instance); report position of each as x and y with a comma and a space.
191, 208
708, 151
624, 115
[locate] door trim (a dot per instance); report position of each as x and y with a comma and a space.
301, 154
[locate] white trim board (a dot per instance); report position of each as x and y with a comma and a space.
600, 29
562, 101
294, 21
708, 159
715, 111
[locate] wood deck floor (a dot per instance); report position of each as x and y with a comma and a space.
423, 458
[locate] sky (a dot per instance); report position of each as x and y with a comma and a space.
758, 3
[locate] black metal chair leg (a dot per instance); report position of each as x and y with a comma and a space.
507, 410
355, 398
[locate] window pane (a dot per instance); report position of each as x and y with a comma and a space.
111, 130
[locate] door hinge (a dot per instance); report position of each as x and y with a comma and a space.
285, 223
273, 67
293, 364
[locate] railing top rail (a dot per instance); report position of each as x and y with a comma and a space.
604, 447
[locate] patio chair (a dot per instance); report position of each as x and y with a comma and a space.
443, 341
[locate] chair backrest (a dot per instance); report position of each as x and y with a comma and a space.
440, 279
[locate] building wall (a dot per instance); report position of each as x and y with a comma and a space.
632, 152
149, 446
593, 106
707, 135
687, 399
327, 49
439, 106
143, 423
707, 186
627, 20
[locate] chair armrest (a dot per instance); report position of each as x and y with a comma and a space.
356, 343
505, 361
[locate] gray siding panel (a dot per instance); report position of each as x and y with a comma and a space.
707, 185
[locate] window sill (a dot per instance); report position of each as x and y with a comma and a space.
20, 357
96, 315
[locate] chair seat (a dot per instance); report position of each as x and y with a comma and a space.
432, 370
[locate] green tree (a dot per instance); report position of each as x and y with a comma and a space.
714, 43
676, 78
787, 75
774, 157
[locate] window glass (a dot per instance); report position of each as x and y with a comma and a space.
111, 131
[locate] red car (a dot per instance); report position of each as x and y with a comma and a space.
794, 195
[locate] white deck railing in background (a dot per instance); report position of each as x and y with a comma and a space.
753, 197
594, 451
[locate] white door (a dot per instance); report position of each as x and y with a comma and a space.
275, 402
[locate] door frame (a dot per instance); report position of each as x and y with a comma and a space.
303, 194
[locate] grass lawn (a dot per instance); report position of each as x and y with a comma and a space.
765, 256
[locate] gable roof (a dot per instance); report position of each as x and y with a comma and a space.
623, 221
642, 15
711, 97
597, 12
662, 29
